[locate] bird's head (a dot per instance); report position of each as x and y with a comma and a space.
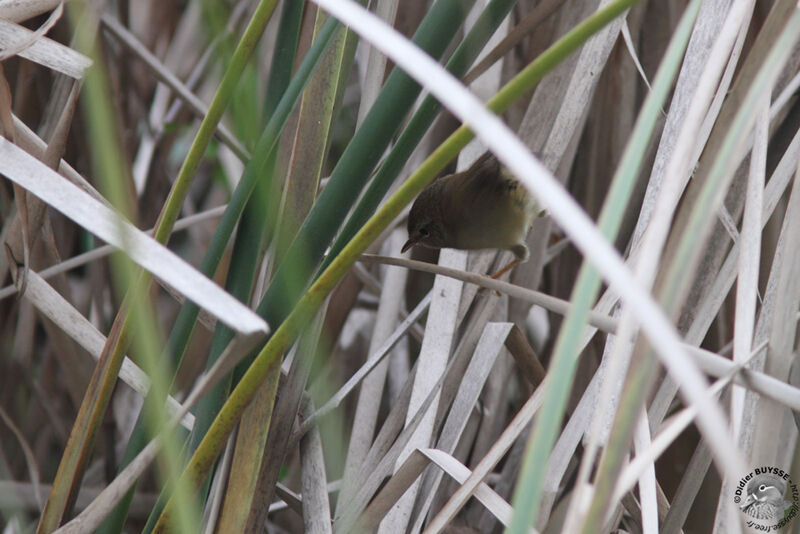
425, 225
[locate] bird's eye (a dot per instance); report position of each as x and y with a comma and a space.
762, 487
424, 232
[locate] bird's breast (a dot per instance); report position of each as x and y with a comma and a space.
499, 221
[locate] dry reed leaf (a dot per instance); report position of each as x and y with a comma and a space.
781, 334
439, 332
525, 26
749, 258
6, 106
22, 10
217, 490
22, 494
94, 514
371, 389
525, 356
648, 494
30, 458
373, 69
185, 49
40, 32
670, 431
289, 498
106, 224
709, 362
472, 383
316, 506
484, 467
698, 81
410, 471
368, 366
43, 51
388, 445
167, 77
65, 316
34, 145
276, 423
105, 250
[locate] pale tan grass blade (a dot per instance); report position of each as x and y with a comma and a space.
43, 51
62, 195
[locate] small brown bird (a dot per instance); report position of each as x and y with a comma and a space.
482, 207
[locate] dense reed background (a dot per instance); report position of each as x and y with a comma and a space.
622, 380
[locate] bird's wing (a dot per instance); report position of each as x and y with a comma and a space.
484, 177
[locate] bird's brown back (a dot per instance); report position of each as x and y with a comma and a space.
485, 207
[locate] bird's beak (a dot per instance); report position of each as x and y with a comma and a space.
747, 502
410, 243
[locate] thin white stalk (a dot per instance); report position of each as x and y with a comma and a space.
749, 259
647, 482
371, 390
435, 350
373, 67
